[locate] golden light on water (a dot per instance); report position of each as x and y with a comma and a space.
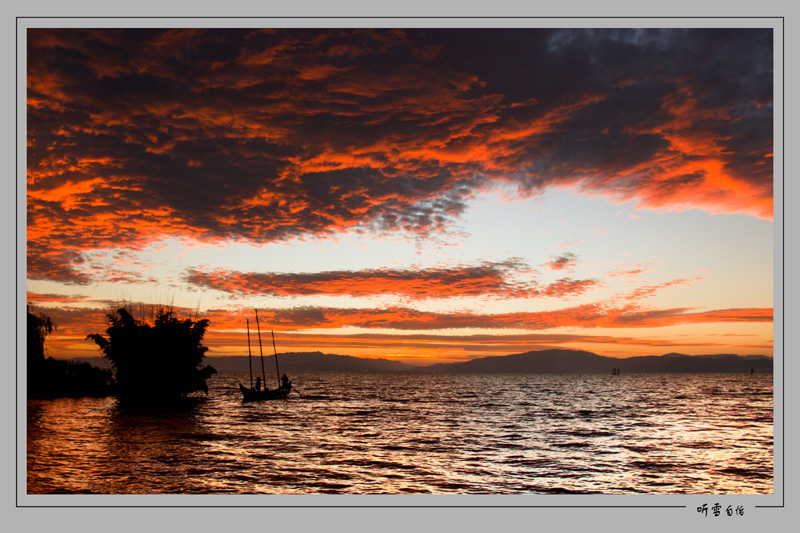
420, 434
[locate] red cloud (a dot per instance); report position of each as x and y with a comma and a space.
54, 298
648, 291
564, 261
630, 271
227, 328
135, 135
493, 279
404, 318
590, 315
567, 287
429, 283
227, 334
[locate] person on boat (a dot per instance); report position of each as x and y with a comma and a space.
285, 383
258, 383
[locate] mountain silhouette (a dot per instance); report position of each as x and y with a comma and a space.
544, 361
581, 362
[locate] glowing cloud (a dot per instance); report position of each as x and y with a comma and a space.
135, 135
492, 279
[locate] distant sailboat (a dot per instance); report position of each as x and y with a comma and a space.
256, 393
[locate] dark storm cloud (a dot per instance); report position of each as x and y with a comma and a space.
265, 135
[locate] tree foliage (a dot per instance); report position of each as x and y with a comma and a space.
55, 378
156, 361
39, 327
52, 378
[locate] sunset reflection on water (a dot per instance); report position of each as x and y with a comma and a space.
400, 433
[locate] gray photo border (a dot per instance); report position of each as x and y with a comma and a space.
395, 511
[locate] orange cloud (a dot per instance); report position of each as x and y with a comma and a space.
648, 291
134, 135
567, 261
227, 333
588, 316
632, 272
492, 279
33, 297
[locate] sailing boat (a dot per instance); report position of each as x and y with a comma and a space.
257, 393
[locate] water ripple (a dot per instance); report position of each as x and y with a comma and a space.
419, 434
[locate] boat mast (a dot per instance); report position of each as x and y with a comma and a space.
263, 374
249, 353
276, 359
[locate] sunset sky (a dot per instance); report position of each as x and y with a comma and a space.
425, 195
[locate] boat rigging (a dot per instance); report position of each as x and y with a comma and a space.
256, 392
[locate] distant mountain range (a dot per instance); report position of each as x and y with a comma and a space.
544, 361
580, 362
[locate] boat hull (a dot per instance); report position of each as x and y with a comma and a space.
255, 395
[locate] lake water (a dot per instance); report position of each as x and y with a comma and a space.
419, 434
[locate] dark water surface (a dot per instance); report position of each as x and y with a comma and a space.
398, 433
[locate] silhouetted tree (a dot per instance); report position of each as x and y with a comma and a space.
157, 361
51, 378
39, 327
